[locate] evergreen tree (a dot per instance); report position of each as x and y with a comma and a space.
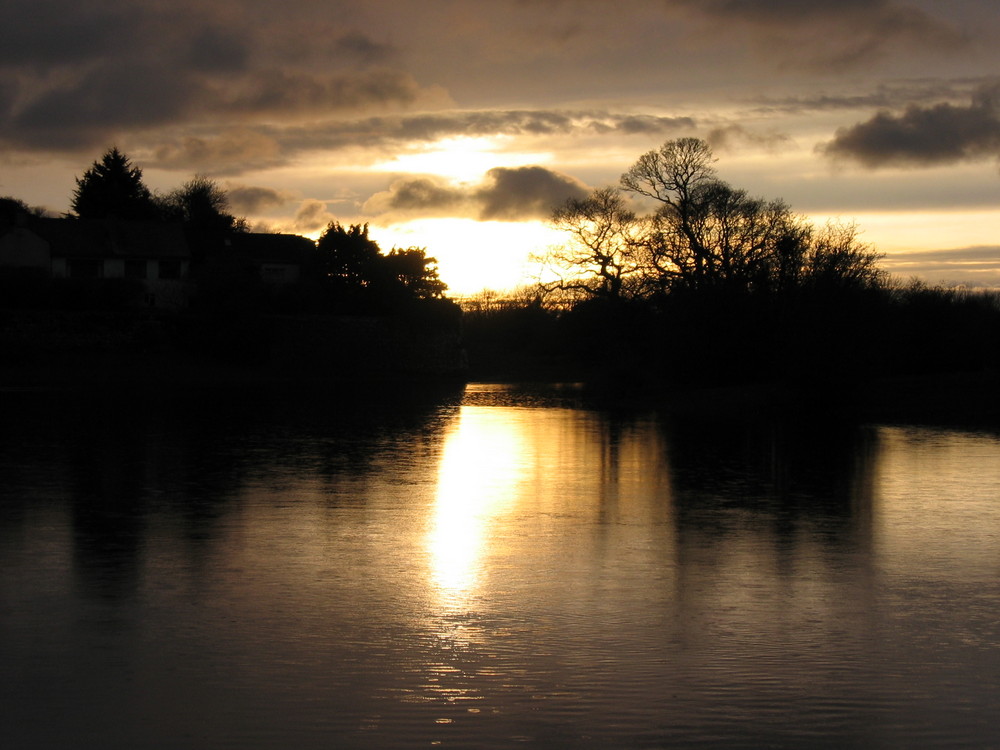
349, 258
359, 277
113, 187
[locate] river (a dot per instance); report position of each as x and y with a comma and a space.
488, 567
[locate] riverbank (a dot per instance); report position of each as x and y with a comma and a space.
60, 348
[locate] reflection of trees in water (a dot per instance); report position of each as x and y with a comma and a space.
788, 490
789, 466
632, 458
774, 552
130, 462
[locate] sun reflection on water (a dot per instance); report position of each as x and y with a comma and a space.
481, 467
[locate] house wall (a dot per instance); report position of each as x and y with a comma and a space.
168, 293
22, 248
279, 273
168, 269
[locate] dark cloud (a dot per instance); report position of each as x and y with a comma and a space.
421, 195
924, 135
280, 92
641, 124
362, 50
790, 11
885, 96
229, 152
215, 50
506, 194
252, 199
246, 148
45, 34
79, 113
845, 33
78, 75
525, 193
311, 216
730, 136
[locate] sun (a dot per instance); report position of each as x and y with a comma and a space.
475, 255
462, 159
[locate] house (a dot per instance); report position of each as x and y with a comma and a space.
21, 247
155, 254
167, 258
271, 258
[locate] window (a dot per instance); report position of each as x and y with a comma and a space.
273, 273
85, 268
135, 269
170, 269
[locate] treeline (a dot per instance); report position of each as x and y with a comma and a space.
345, 272
113, 187
715, 287
813, 340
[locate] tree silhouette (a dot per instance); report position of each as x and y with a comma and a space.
359, 277
721, 237
200, 203
11, 207
113, 187
607, 255
707, 234
414, 274
348, 258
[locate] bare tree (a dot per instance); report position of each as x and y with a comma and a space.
202, 203
707, 234
675, 175
607, 253
836, 258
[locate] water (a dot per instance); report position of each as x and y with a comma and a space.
489, 568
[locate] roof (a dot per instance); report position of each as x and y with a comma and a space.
112, 238
269, 248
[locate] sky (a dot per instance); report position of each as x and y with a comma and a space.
457, 125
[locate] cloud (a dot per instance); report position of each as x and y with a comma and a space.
505, 194
885, 96
285, 93
245, 148
87, 110
252, 199
215, 50
229, 152
45, 34
821, 33
361, 49
422, 196
311, 216
729, 136
972, 266
943, 133
78, 75
525, 193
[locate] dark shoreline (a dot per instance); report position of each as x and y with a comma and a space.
959, 399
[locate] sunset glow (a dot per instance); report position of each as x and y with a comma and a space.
459, 159
459, 126
480, 469
474, 255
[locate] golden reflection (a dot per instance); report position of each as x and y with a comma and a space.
481, 467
